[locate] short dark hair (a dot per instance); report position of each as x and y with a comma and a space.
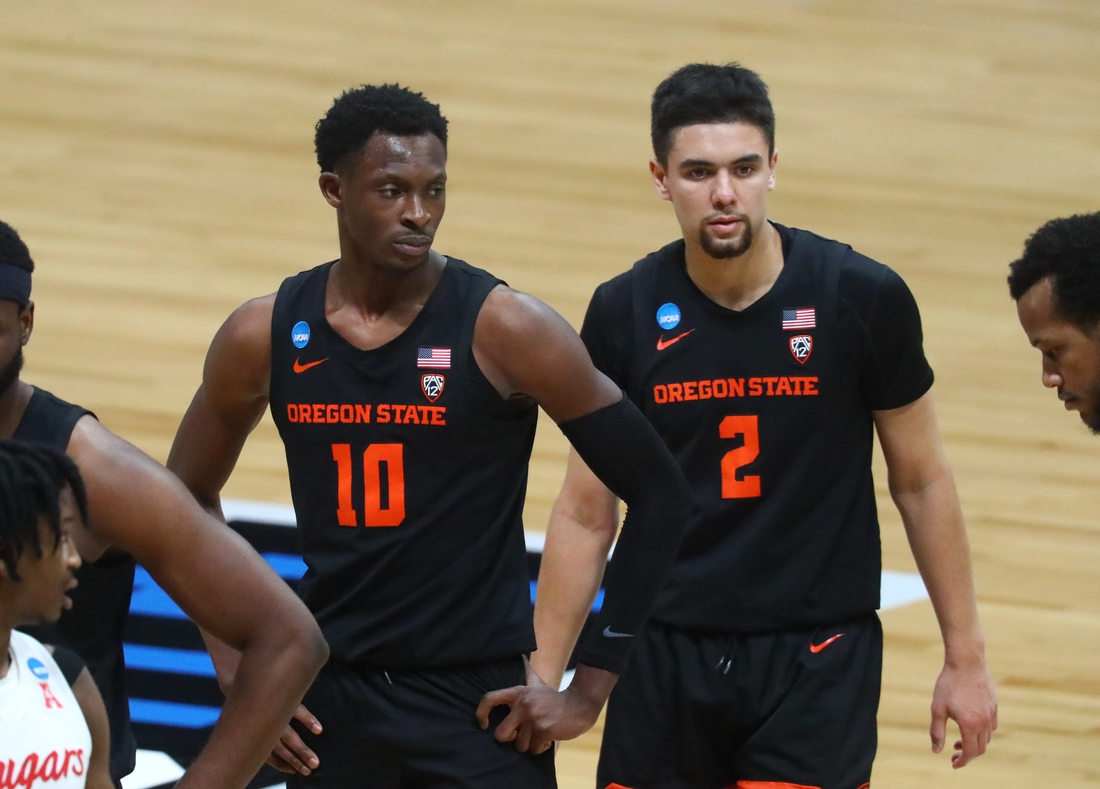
360, 112
705, 93
32, 477
1066, 251
12, 249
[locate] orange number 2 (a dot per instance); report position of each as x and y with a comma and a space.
384, 503
748, 487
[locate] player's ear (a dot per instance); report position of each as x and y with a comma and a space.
26, 322
660, 178
771, 166
331, 188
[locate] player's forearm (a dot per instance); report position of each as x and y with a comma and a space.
274, 673
624, 452
225, 658
937, 536
572, 567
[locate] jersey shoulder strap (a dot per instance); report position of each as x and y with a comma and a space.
299, 304
821, 261
49, 420
646, 277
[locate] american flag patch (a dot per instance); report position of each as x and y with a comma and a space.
434, 358
805, 318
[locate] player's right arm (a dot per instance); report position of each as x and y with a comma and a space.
582, 527
220, 582
228, 405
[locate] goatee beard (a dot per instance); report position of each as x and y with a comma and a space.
724, 250
10, 374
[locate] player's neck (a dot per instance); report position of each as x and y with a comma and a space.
371, 305
737, 283
13, 404
374, 289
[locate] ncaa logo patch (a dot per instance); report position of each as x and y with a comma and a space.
38, 668
299, 335
802, 345
668, 316
432, 384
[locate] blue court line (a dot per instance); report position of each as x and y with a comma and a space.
287, 565
150, 600
170, 713
168, 661
597, 604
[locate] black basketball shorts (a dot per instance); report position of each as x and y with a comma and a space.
776, 711
415, 729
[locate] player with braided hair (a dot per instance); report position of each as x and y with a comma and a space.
53, 725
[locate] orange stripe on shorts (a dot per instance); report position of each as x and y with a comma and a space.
769, 785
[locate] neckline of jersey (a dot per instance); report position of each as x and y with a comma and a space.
788, 240
402, 339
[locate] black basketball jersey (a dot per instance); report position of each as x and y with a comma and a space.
408, 473
768, 411
93, 627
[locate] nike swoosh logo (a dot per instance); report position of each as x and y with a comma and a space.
662, 344
815, 648
607, 631
301, 368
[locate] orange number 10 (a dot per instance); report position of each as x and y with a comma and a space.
383, 505
748, 487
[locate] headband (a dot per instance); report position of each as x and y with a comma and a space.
15, 284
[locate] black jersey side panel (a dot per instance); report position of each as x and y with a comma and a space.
767, 412
408, 474
93, 627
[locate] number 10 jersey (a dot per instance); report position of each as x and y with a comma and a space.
408, 473
768, 411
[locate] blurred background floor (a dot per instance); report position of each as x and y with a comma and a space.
157, 158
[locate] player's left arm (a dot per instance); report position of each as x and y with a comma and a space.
923, 487
527, 350
95, 715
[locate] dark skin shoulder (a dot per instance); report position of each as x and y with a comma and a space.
229, 403
528, 351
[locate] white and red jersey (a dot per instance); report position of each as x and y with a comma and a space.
44, 740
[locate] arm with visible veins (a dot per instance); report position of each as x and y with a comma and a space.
923, 487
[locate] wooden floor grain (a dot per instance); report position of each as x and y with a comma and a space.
157, 158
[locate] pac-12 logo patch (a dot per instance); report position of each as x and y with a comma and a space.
432, 384
38, 668
299, 335
668, 316
802, 345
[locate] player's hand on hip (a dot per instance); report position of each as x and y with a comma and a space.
539, 715
965, 694
291, 754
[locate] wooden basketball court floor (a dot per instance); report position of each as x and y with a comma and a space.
157, 158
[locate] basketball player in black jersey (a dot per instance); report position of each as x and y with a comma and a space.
405, 387
764, 356
1056, 286
136, 508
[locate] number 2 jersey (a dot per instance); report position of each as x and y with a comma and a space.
408, 473
768, 411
